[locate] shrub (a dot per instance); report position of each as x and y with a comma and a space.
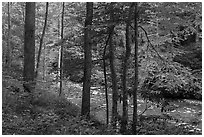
171, 81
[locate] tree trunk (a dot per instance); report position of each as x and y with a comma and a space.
105, 78
29, 43
61, 51
113, 71
29, 48
134, 125
58, 70
44, 73
114, 84
41, 41
8, 55
124, 79
85, 110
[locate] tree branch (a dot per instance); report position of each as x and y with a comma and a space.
144, 109
149, 42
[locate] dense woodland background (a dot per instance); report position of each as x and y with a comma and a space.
102, 68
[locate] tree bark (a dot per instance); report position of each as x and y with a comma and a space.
29, 43
85, 110
134, 125
29, 48
8, 55
41, 40
61, 51
114, 84
105, 78
124, 79
113, 71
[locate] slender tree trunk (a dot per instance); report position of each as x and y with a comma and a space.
106, 88
124, 79
85, 110
113, 72
44, 73
29, 45
114, 84
61, 51
41, 41
8, 55
105, 76
58, 70
134, 125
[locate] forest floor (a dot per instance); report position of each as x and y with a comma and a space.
183, 113
51, 114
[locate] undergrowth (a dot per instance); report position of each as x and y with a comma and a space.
45, 113
42, 113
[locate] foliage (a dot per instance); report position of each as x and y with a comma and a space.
44, 114
73, 69
171, 81
192, 57
161, 77
170, 64
160, 125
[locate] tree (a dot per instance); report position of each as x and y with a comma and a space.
8, 55
61, 50
134, 124
41, 39
29, 43
85, 109
105, 81
125, 67
112, 69
16, 33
